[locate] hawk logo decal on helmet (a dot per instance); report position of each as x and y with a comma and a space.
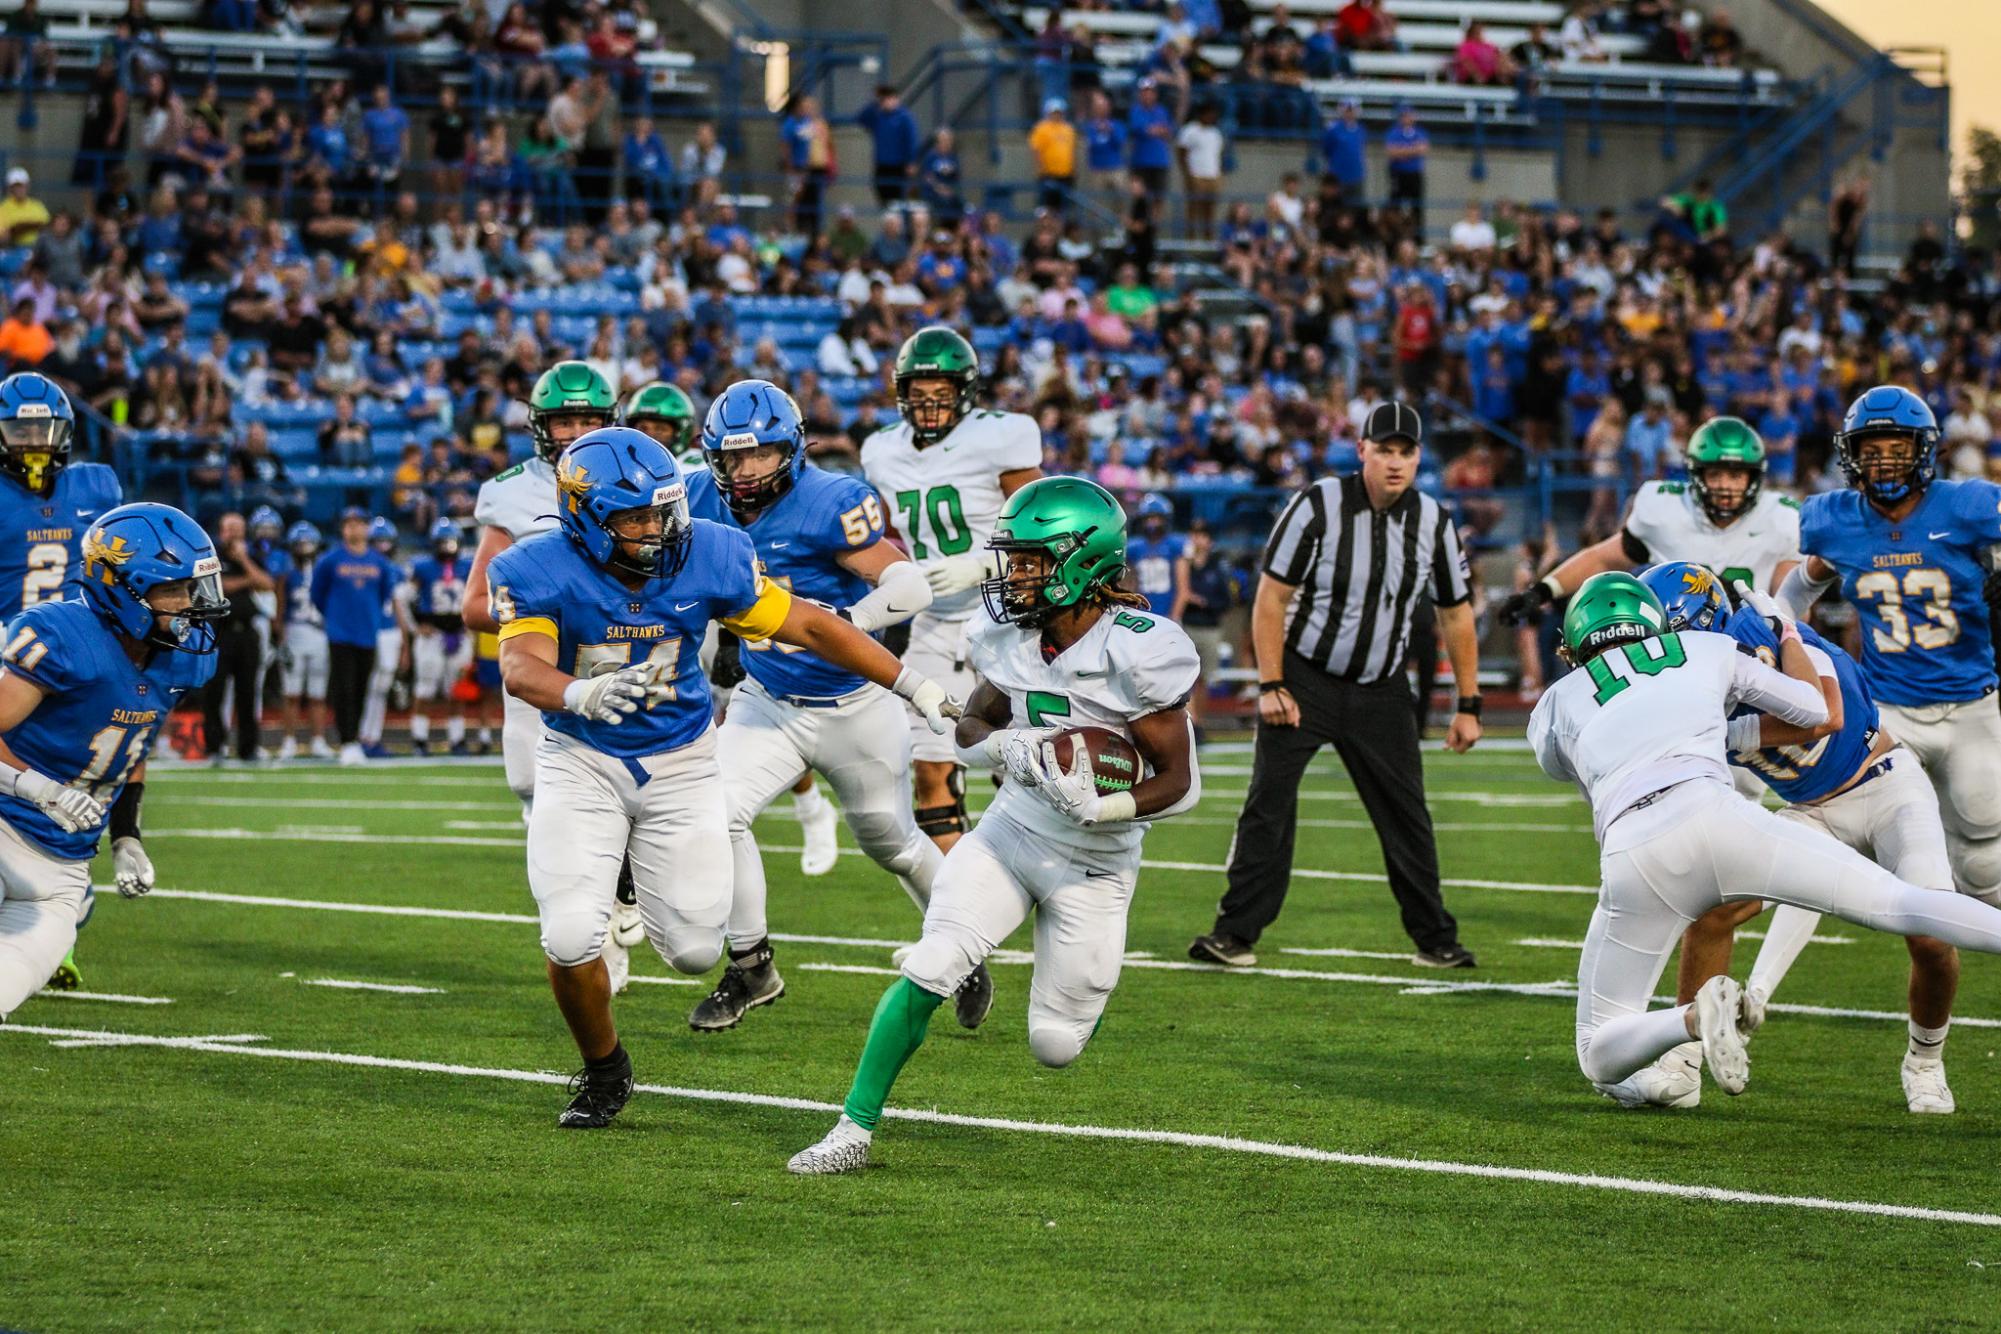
101, 555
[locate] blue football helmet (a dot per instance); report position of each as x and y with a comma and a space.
445, 539
747, 415
133, 552
37, 425
1691, 594
266, 524
382, 534
1155, 512
608, 474
304, 535
1889, 410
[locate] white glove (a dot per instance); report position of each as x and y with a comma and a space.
1073, 792
73, 809
956, 574
658, 679
134, 869
1763, 603
929, 699
608, 698
1018, 753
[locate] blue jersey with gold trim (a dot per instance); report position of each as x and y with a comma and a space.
439, 590
1915, 583
546, 585
99, 718
799, 540
1808, 773
39, 538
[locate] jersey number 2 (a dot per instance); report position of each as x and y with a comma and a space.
48, 564
1648, 657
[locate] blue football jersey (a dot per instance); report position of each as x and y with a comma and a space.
299, 608
39, 538
1152, 561
1916, 584
1808, 773
98, 721
440, 590
546, 585
799, 540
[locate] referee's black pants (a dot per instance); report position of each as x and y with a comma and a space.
238, 658
348, 670
1372, 729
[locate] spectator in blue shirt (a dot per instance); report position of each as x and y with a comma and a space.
386, 129
1780, 429
1650, 438
1104, 149
649, 166
939, 269
938, 177
1151, 128
1493, 387
327, 143
1585, 389
352, 588
1343, 145
898, 143
1406, 146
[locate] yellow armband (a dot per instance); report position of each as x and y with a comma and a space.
761, 619
529, 625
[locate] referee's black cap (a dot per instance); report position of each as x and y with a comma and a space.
1391, 421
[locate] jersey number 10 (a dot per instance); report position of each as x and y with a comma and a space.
1648, 657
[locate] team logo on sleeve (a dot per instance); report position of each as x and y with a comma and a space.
101, 558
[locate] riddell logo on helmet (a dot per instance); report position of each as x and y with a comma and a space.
741, 440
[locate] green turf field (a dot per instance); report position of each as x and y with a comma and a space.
1337, 1139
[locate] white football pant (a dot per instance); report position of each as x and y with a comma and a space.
1960, 748
937, 650
1699, 845
989, 883
306, 662
432, 668
388, 658
520, 742
863, 750
667, 812
42, 900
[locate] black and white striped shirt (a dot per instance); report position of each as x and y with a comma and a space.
1357, 572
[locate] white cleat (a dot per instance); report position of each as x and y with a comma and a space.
351, 755
1925, 1089
628, 927
1755, 1001
1675, 1080
845, 1149
617, 962
289, 750
320, 750
822, 848
1719, 1007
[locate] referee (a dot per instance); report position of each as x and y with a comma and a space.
1348, 561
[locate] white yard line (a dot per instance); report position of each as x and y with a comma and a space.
109, 996
392, 988
1169, 1138
339, 804
1554, 943
128, 1040
1395, 956
667, 981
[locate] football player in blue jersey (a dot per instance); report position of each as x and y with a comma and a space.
1848, 778
442, 647
1158, 558
602, 622
45, 500
303, 655
269, 550
820, 536
87, 684
392, 641
1913, 555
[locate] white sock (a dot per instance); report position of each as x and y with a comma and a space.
420, 727
455, 730
373, 714
1785, 937
485, 736
1928, 1044
808, 805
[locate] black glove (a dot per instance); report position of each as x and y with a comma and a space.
726, 672
1527, 605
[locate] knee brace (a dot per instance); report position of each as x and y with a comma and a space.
937, 821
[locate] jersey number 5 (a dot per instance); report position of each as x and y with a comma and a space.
1926, 589
1648, 657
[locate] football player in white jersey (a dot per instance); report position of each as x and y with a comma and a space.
943, 472
1642, 730
1060, 647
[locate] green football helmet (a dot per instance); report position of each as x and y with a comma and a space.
1611, 608
1080, 530
936, 353
664, 412
1725, 441
568, 389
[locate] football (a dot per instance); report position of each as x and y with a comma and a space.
1113, 759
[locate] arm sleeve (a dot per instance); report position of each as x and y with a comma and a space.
1295, 541
1796, 702
1451, 575
1635, 548
1797, 593
901, 591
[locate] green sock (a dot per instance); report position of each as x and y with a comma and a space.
893, 1035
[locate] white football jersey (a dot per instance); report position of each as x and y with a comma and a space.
1667, 517
521, 502
943, 499
1126, 666
1644, 716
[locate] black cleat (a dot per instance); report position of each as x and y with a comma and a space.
596, 1099
1224, 948
974, 998
421, 749
1454, 955
746, 984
